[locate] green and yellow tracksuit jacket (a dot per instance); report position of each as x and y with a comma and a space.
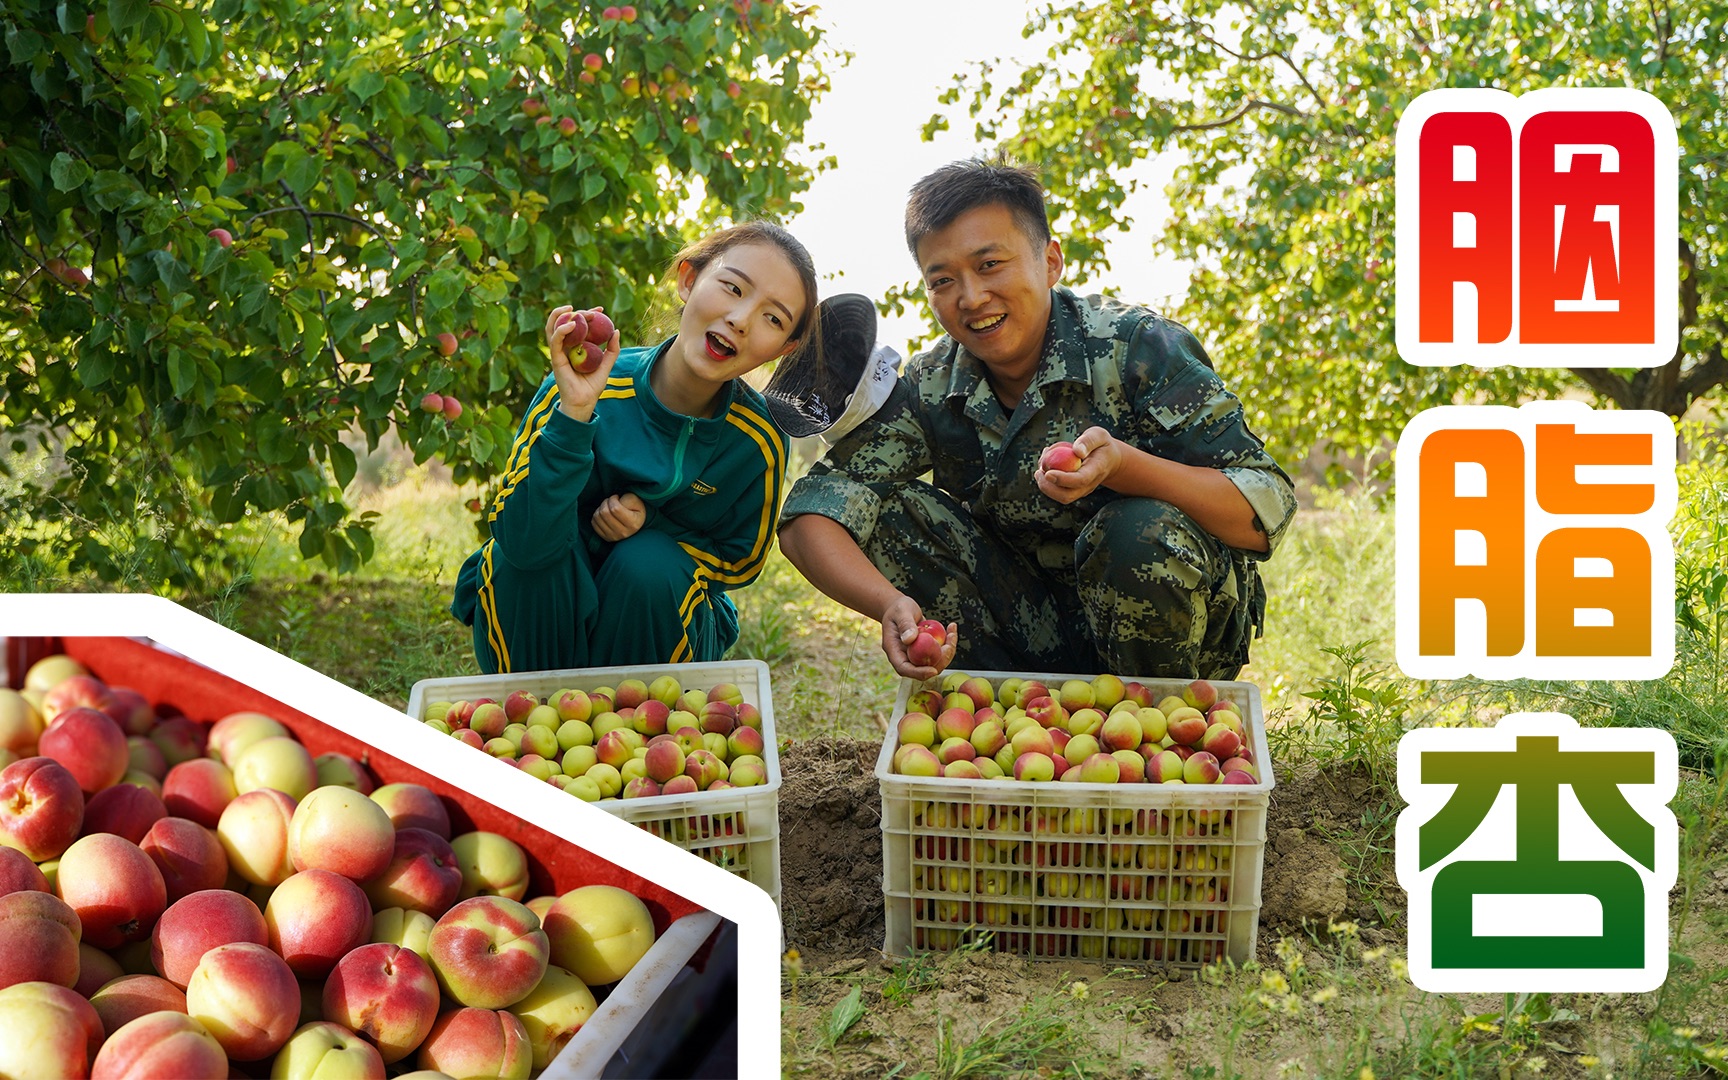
547, 592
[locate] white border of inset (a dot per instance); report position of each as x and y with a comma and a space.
1516, 110
318, 695
1649, 801
1470, 649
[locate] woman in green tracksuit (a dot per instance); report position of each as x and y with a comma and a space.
637, 495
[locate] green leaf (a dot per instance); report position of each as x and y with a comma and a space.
27, 162
481, 443
342, 184
113, 189
197, 36
215, 257
313, 341
64, 315
69, 172
366, 84
125, 14
172, 271
290, 163
311, 540
361, 537
443, 288
342, 463
847, 1013
182, 372
224, 507
22, 45
95, 367
592, 185
435, 133
253, 300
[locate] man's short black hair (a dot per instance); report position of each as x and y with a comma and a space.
950, 191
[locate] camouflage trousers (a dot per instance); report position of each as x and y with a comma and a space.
1148, 593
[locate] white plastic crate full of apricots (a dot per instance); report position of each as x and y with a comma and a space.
1075, 817
685, 751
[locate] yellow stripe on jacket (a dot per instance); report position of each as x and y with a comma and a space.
489, 609
517, 467
686, 611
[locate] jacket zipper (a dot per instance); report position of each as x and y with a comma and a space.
677, 461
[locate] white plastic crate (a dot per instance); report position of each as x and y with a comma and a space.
645, 1005
737, 829
1053, 870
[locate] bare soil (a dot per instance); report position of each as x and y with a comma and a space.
831, 849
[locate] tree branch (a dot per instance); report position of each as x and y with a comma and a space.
1705, 376
323, 304
1607, 384
303, 211
1256, 103
1255, 58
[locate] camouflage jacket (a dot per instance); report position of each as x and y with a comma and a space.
1140, 376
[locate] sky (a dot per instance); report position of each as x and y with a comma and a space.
905, 53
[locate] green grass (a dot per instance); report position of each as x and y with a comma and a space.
1041, 1038
1328, 585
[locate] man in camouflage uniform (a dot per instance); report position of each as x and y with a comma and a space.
1142, 562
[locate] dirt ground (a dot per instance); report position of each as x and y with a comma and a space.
1327, 864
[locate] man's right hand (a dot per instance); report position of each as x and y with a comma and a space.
900, 629
577, 392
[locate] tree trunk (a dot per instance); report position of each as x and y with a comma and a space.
1666, 389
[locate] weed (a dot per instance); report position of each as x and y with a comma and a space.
1035, 1038
295, 611
849, 1011
1356, 719
1701, 817
910, 977
1366, 849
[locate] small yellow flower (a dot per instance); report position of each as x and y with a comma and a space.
1399, 969
1589, 1061
1536, 1064
1323, 995
1080, 991
1275, 982
792, 963
1365, 1074
1371, 955
1291, 1067
1686, 1032
1346, 928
